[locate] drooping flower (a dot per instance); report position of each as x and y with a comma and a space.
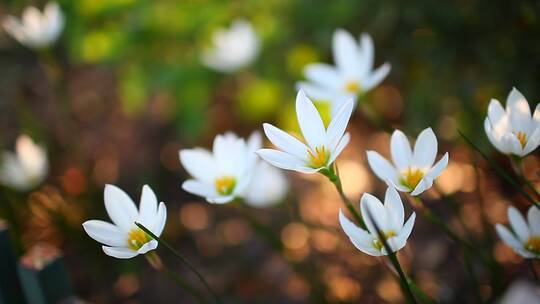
352, 75
411, 171
223, 174
35, 29
323, 145
388, 218
26, 168
123, 239
233, 48
268, 186
513, 131
524, 238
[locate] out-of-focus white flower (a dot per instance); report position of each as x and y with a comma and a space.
124, 239
388, 218
26, 168
412, 171
268, 186
232, 48
223, 174
323, 145
521, 292
35, 29
352, 75
525, 238
513, 131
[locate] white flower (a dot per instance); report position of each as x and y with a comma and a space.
35, 29
26, 168
124, 239
323, 145
223, 174
352, 75
412, 171
268, 186
513, 131
388, 218
232, 48
525, 239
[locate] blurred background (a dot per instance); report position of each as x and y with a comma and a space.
124, 88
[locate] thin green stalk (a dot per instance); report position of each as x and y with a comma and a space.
260, 228
517, 164
452, 203
183, 260
472, 276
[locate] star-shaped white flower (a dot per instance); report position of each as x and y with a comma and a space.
26, 168
352, 75
232, 48
124, 239
323, 145
223, 174
513, 131
388, 217
35, 29
525, 238
411, 171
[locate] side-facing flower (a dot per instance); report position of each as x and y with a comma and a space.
411, 171
27, 167
36, 29
268, 186
223, 174
352, 75
233, 48
124, 239
388, 218
525, 238
513, 131
323, 145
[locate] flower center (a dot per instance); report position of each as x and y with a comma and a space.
319, 158
225, 184
352, 86
411, 177
522, 137
378, 244
137, 238
533, 244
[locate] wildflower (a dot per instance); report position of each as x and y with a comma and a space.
525, 238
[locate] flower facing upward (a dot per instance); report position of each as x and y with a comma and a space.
323, 145
223, 174
36, 29
26, 168
513, 131
412, 171
232, 48
388, 217
124, 239
525, 238
352, 75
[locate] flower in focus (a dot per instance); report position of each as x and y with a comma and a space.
35, 29
124, 239
268, 186
26, 168
411, 171
232, 48
525, 238
223, 174
323, 145
352, 75
513, 131
387, 217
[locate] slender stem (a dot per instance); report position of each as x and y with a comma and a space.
472, 276
517, 164
533, 270
452, 203
260, 228
183, 260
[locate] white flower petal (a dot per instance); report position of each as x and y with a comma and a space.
310, 121
366, 54
317, 92
508, 237
199, 163
425, 149
438, 168
376, 77
339, 122
394, 208
425, 183
148, 206
105, 233
346, 52
518, 110
496, 111
220, 199
284, 161
285, 141
323, 75
359, 237
373, 211
119, 252
532, 142
160, 220
381, 167
407, 228
120, 208
199, 188
400, 149
518, 223
533, 217
147, 247
339, 148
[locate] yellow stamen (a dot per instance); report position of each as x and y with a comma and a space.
522, 137
378, 244
411, 177
319, 158
352, 86
137, 238
533, 244
225, 184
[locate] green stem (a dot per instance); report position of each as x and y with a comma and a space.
517, 164
472, 276
453, 204
260, 228
183, 260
